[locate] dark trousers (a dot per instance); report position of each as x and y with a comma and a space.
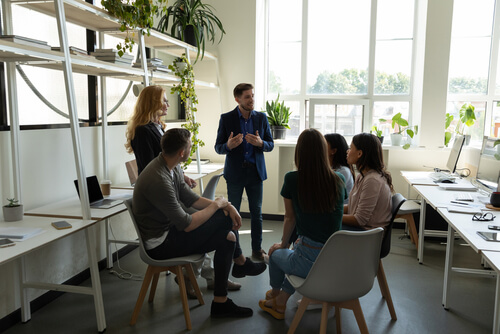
212, 235
253, 186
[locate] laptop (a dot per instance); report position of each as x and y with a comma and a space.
96, 199
448, 175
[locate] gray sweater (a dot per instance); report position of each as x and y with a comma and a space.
160, 200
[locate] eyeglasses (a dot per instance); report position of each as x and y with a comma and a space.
487, 217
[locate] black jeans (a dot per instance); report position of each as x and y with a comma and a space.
212, 235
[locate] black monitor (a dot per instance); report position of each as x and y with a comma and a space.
455, 154
489, 164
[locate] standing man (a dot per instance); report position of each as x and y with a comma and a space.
244, 135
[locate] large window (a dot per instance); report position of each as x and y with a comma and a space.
473, 58
340, 65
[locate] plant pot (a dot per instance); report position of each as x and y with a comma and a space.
278, 132
396, 139
467, 139
381, 138
189, 36
13, 213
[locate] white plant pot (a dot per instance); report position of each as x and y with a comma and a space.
13, 213
396, 139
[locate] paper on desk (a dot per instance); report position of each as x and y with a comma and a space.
20, 233
469, 208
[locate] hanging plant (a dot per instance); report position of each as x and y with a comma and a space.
184, 70
134, 16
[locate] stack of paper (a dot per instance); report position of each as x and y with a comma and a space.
25, 41
154, 64
19, 233
111, 55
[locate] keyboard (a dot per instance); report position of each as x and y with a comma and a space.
464, 196
439, 176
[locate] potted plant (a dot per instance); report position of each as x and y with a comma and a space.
278, 116
184, 70
193, 22
497, 145
400, 125
137, 15
13, 211
375, 130
467, 118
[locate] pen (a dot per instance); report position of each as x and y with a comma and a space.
461, 203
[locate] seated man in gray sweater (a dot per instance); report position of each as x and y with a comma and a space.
169, 231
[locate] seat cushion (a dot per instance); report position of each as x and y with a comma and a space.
410, 206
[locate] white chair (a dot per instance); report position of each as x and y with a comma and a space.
209, 191
343, 272
155, 267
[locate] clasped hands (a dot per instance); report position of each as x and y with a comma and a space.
229, 209
235, 141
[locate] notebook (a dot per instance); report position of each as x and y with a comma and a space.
96, 199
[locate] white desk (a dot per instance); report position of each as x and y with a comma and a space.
463, 225
71, 208
493, 259
50, 234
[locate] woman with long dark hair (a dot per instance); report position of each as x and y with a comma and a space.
370, 198
337, 155
313, 196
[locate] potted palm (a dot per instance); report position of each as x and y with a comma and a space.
13, 211
278, 116
192, 21
400, 126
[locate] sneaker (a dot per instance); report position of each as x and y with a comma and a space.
189, 288
311, 306
249, 268
229, 310
231, 286
259, 255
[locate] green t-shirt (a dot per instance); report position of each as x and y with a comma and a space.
317, 226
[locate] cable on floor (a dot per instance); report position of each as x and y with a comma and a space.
125, 275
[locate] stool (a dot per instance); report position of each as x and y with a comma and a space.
406, 212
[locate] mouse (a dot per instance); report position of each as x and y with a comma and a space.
447, 181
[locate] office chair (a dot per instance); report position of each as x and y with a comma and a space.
155, 267
209, 191
397, 201
132, 171
406, 212
344, 271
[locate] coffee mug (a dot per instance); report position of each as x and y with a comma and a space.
495, 199
106, 187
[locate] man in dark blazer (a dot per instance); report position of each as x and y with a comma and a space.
243, 136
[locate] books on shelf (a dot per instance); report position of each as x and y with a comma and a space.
25, 41
73, 50
153, 64
111, 55
19, 233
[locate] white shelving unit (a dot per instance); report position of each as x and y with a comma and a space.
98, 20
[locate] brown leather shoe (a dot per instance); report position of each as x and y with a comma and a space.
191, 294
259, 255
231, 286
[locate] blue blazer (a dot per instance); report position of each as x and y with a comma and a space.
230, 122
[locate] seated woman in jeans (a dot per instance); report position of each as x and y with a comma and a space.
314, 197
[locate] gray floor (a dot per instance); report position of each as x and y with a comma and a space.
416, 291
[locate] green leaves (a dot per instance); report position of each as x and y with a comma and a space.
467, 115
199, 16
277, 113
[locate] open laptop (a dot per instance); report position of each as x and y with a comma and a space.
488, 176
96, 199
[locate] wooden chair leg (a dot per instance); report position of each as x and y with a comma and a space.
152, 291
360, 318
142, 294
384, 289
324, 317
298, 315
413, 229
177, 270
338, 319
194, 283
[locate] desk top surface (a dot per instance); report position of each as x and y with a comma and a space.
50, 234
71, 207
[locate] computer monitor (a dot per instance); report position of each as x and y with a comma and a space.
489, 164
455, 154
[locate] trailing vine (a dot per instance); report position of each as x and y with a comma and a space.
134, 16
184, 70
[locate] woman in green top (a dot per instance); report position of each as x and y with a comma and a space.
314, 197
